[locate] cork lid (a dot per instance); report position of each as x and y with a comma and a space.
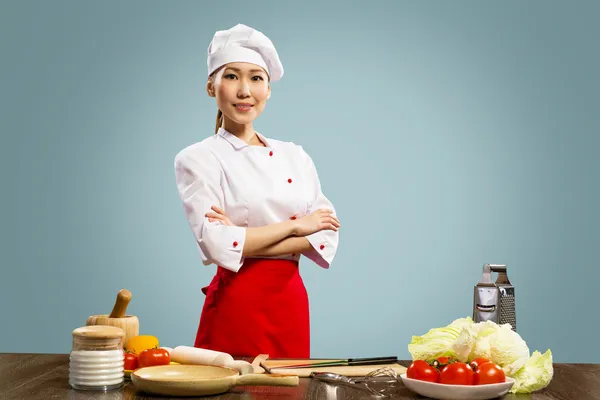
99, 332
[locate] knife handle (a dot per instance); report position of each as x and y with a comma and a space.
372, 360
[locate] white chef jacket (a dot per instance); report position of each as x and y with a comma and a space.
255, 186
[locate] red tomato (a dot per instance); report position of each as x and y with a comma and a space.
477, 362
154, 357
131, 362
489, 373
457, 373
422, 371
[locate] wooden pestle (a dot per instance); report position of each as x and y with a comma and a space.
120, 307
118, 317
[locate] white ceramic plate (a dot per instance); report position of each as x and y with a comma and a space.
458, 392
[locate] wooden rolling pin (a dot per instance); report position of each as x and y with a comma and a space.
194, 355
118, 317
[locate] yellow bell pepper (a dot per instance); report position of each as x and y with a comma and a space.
139, 343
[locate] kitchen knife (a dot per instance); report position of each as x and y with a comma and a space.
346, 362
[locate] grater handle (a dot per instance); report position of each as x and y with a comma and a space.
501, 270
498, 267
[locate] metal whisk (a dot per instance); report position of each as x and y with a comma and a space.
381, 382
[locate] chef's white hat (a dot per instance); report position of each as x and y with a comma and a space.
244, 44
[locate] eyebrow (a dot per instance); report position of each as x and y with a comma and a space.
252, 70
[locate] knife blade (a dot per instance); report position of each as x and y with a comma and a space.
345, 362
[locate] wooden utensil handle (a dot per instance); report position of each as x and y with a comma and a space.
120, 307
267, 380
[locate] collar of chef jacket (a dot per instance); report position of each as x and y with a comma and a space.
238, 143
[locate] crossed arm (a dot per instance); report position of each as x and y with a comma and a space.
287, 237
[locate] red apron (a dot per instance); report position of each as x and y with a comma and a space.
261, 309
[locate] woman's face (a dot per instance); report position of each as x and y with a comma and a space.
241, 91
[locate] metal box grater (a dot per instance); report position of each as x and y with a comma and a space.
495, 301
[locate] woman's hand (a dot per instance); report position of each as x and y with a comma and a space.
219, 216
322, 219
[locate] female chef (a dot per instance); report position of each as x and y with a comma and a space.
254, 205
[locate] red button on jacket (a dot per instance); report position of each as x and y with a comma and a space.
270, 153
235, 244
290, 180
322, 247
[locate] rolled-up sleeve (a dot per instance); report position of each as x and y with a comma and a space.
198, 183
324, 243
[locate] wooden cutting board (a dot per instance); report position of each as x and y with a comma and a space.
354, 370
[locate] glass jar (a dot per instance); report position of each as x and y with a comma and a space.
96, 360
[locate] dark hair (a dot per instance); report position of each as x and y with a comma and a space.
219, 121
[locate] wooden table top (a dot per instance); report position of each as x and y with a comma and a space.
45, 376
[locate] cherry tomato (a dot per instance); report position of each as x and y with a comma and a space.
477, 362
131, 361
422, 371
154, 357
457, 373
489, 373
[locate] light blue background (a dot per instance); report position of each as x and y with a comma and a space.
447, 134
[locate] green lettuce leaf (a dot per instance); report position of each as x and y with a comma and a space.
438, 342
472, 341
536, 374
503, 346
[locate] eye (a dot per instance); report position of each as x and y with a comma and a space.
257, 78
230, 76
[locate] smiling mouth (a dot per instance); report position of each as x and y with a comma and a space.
243, 107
